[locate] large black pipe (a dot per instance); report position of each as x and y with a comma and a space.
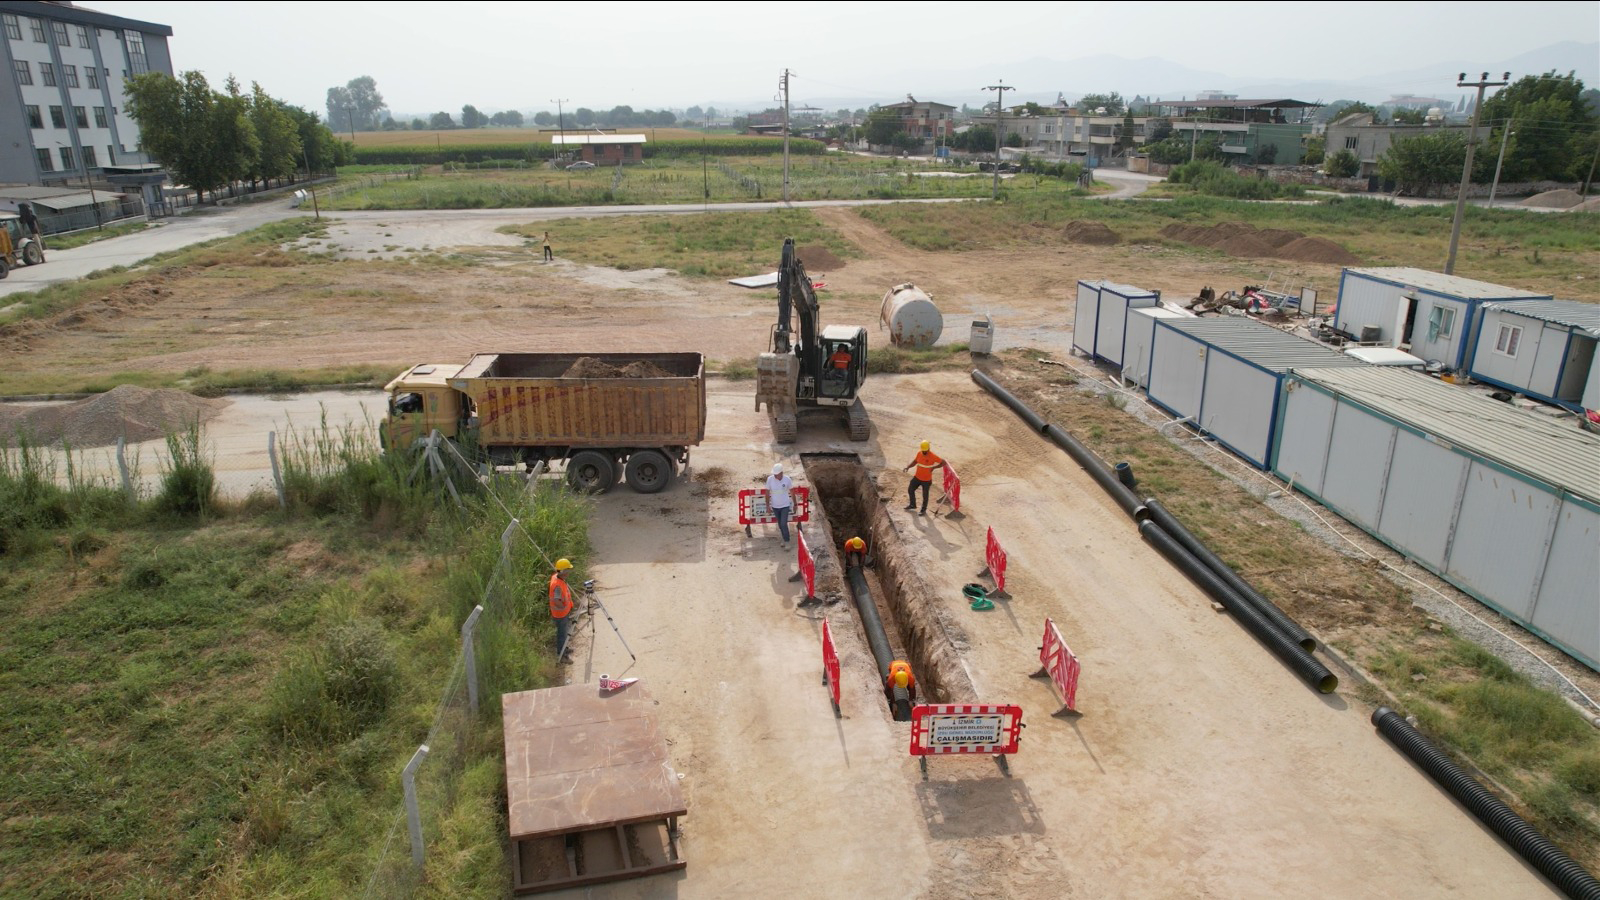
1292, 654
1571, 878
1099, 471
1017, 406
877, 638
1276, 616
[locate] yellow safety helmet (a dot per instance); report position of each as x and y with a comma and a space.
563, 564
925, 446
901, 676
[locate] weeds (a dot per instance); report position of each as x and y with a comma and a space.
189, 484
892, 360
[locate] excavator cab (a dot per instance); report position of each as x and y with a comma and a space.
844, 362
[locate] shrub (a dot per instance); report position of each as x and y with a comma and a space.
1342, 165
189, 484
337, 689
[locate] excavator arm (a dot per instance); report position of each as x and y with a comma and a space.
796, 298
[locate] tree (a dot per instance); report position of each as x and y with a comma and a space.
1554, 124
881, 129
1013, 140
977, 139
1160, 130
368, 102
1125, 134
1401, 116
318, 146
1418, 165
509, 118
544, 118
178, 121
278, 154
441, 121
1342, 165
1338, 109
237, 148
711, 113
471, 118
694, 114
1314, 150
1112, 103
583, 117
418, 125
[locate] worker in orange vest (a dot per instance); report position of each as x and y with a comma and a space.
900, 677
855, 553
561, 604
925, 462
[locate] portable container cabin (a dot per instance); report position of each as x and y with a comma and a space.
1542, 348
1500, 502
1138, 342
1101, 318
1223, 374
1427, 313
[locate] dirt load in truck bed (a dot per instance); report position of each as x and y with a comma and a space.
590, 367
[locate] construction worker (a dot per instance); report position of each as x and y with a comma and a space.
561, 604
900, 677
925, 462
855, 553
839, 362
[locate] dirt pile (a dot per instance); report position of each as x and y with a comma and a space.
1095, 233
1557, 199
1245, 240
1589, 205
589, 367
817, 258
126, 411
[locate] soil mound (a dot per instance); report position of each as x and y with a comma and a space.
1185, 233
589, 367
817, 258
1557, 199
1246, 245
1278, 237
644, 369
1095, 233
1316, 250
1590, 205
126, 411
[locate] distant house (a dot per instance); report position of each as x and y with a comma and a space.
1068, 132
925, 120
1369, 142
604, 149
1245, 127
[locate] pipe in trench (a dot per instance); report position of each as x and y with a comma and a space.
1290, 653
1570, 877
877, 638
1290, 628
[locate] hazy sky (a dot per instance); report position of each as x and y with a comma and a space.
437, 56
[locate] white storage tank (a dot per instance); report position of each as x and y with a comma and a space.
911, 317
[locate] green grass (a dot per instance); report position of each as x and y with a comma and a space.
891, 360
222, 706
202, 381
711, 245
79, 238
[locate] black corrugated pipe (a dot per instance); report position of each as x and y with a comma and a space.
877, 638
1304, 664
1276, 616
1099, 471
1017, 406
1571, 878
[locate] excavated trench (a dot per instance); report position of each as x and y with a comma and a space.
904, 601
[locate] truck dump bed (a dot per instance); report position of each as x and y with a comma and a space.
609, 400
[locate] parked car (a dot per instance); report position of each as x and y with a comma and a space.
581, 164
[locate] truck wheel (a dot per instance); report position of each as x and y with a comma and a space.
591, 472
32, 255
5, 268
648, 471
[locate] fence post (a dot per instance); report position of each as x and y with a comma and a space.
277, 474
408, 779
122, 466
467, 628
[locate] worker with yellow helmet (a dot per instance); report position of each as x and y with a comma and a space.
855, 552
926, 462
561, 604
900, 677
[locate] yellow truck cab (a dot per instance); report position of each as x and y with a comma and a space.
420, 400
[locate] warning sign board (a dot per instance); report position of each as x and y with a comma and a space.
964, 728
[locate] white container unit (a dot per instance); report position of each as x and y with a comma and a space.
1500, 502
1429, 313
1101, 318
1139, 341
1542, 348
1223, 373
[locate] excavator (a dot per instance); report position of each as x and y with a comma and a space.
808, 372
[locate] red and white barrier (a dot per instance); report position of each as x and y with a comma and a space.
945, 728
830, 666
994, 560
806, 565
952, 490
755, 508
1057, 660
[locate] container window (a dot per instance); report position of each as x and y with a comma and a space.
1510, 337
1441, 322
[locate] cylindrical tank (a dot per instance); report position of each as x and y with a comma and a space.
911, 317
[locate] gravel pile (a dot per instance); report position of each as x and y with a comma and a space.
134, 413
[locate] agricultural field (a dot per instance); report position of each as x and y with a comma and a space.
468, 136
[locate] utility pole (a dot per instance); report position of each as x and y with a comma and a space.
1194, 136
351, 112
783, 85
999, 127
309, 186
1590, 180
1505, 135
1466, 170
561, 124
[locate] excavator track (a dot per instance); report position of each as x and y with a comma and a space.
786, 428
858, 423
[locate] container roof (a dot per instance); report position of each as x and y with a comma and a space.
1542, 448
1263, 345
598, 139
1448, 285
1583, 316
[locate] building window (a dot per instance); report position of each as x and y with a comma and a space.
1510, 337
24, 74
136, 53
83, 37
47, 74
70, 74
1350, 143
67, 164
45, 162
111, 155
1441, 322
100, 117
37, 27
13, 27
58, 118
81, 116
92, 75
35, 119
88, 157
60, 29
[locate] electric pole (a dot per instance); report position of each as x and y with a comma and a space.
1505, 135
999, 127
783, 85
1466, 170
561, 126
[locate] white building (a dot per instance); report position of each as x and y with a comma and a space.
61, 104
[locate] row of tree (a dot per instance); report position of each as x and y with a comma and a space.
210, 139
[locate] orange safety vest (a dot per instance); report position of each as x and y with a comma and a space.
900, 666
925, 462
560, 597
856, 544
840, 359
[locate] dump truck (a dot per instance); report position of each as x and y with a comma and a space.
601, 415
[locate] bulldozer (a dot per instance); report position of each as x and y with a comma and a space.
17, 246
810, 371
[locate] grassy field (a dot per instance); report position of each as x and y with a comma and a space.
758, 178
89, 236
1559, 253
520, 135
207, 699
